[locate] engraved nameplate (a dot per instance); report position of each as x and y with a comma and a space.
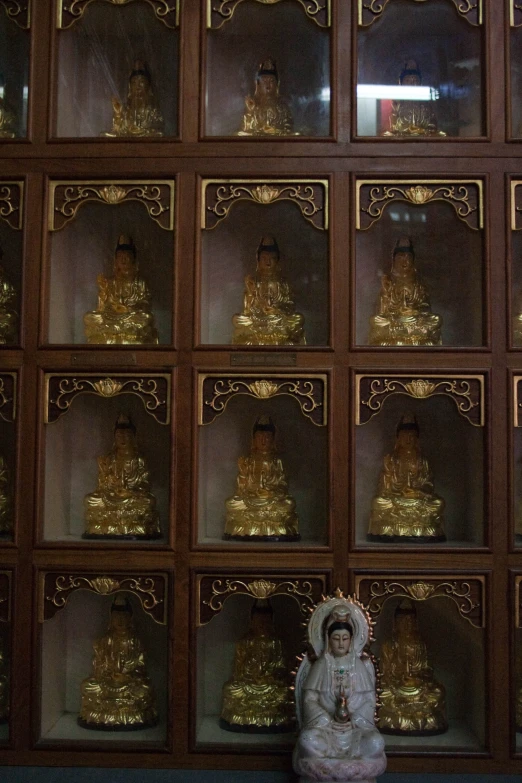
103, 358
263, 359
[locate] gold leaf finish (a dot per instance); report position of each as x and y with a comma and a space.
420, 389
108, 387
420, 591
221, 11
18, 11
301, 590
261, 588
263, 389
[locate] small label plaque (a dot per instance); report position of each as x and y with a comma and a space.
263, 359
93, 358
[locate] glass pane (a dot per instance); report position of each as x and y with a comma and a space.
420, 73
7, 480
516, 280
254, 40
11, 251
123, 56
14, 78
516, 82
5, 676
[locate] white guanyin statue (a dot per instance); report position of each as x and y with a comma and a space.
335, 698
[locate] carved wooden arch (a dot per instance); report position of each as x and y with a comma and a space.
466, 391
56, 588
62, 388
69, 11
221, 11
467, 592
370, 10
466, 196
66, 198
19, 11
12, 203
6, 579
219, 195
8, 389
212, 590
215, 390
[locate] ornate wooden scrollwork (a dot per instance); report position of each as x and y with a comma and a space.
219, 196
11, 203
221, 11
465, 196
153, 390
69, 11
8, 396
370, 10
216, 390
212, 590
56, 588
468, 593
66, 198
466, 391
19, 11
6, 578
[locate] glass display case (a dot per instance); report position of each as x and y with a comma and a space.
110, 273
420, 70
434, 695
267, 70
420, 276
262, 462
117, 73
420, 457
104, 659
106, 469
264, 273
14, 71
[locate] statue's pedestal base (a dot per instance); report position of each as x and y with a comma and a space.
348, 770
337, 780
250, 728
405, 539
229, 537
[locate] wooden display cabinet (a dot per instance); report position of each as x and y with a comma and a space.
197, 200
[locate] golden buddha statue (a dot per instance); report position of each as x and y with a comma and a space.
4, 683
406, 508
7, 115
8, 314
404, 316
267, 114
123, 315
268, 316
257, 698
412, 118
140, 116
122, 506
6, 504
261, 509
119, 695
412, 701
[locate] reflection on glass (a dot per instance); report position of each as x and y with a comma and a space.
8, 314
8, 119
275, 43
139, 116
420, 73
267, 114
268, 316
14, 78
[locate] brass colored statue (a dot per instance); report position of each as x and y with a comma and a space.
123, 315
257, 698
268, 316
7, 115
267, 114
261, 509
122, 506
406, 508
6, 504
412, 701
412, 118
404, 316
140, 116
8, 314
119, 695
4, 684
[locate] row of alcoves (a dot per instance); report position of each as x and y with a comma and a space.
79, 412
74, 611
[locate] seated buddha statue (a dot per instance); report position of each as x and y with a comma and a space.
4, 683
122, 506
7, 115
6, 505
257, 697
261, 509
139, 116
406, 508
267, 114
412, 118
118, 695
8, 314
404, 316
123, 315
268, 316
412, 701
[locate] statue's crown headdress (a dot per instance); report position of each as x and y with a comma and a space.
268, 68
268, 244
408, 422
126, 242
410, 69
140, 69
124, 422
403, 245
264, 424
338, 620
121, 604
